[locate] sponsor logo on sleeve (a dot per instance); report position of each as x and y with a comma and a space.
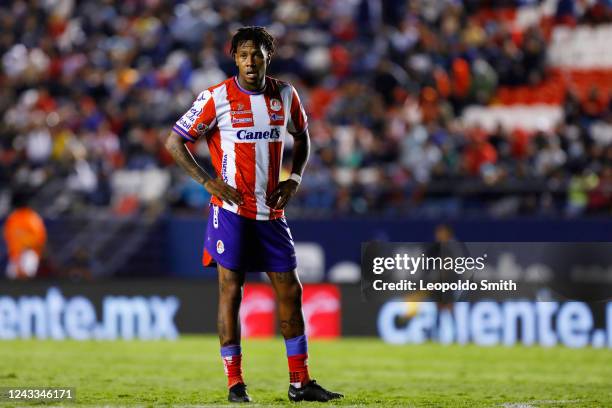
224, 168
189, 118
202, 129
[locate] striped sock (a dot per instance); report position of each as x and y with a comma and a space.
232, 364
297, 357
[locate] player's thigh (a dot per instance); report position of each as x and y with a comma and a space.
230, 281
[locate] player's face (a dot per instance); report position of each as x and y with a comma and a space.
252, 63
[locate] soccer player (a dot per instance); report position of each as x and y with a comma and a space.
244, 120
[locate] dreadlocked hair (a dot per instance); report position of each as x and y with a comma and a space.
257, 34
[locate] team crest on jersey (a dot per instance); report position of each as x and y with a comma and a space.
220, 247
275, 105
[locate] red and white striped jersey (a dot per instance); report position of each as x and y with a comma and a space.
245, 132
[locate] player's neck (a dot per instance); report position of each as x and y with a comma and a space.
251, 88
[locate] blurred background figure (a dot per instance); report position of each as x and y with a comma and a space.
445, 246
26, 237
444, 234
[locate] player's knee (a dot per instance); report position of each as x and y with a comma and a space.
292, 293
231, 290
296, 291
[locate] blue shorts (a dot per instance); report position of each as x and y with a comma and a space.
247, 245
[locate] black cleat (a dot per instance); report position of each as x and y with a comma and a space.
312, 392
238, 393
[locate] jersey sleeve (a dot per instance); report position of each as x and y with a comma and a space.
199, 119
298, 121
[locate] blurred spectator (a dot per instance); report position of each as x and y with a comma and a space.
578, 193
26, 236
90, 89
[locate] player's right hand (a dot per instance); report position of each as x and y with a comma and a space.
223, 191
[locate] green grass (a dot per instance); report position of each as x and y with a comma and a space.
189, 372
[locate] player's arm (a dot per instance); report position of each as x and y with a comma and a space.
286, 189
301, 151
183, 157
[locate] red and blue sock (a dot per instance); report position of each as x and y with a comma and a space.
232, 364
297, 356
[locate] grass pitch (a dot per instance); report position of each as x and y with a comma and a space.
189, 372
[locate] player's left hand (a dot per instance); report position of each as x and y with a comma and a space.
279, 198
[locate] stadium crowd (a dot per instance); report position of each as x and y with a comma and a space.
89, 91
